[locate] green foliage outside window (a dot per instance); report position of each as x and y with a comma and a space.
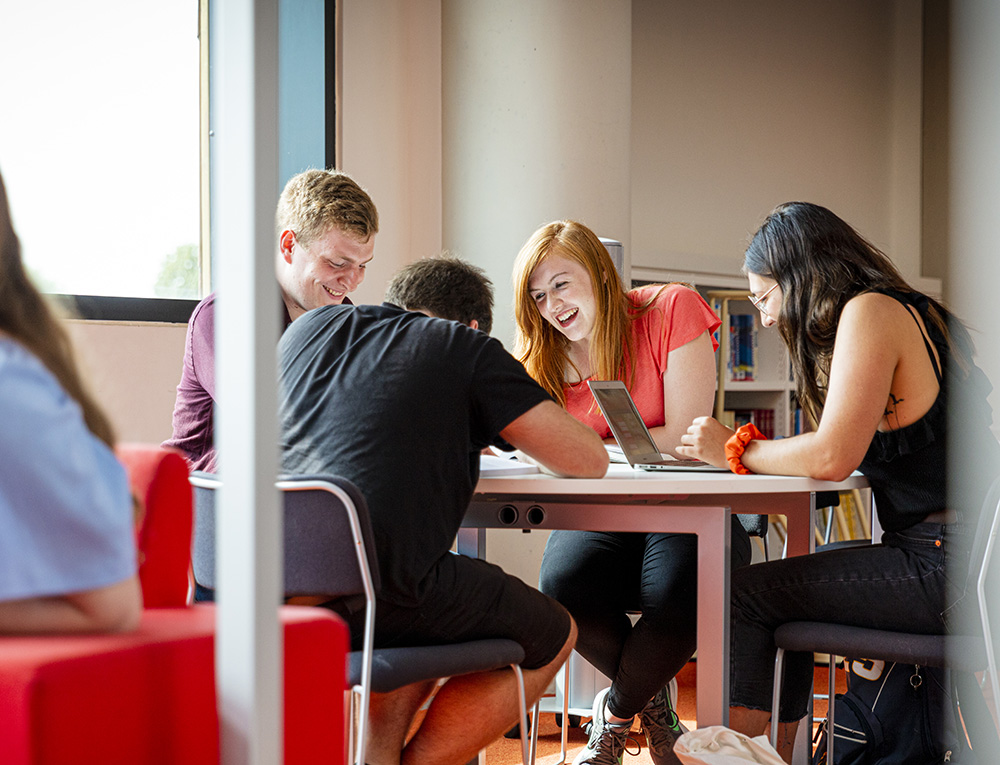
179, 274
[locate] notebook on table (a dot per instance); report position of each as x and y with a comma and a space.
632, 434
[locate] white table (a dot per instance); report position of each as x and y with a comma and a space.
634, 500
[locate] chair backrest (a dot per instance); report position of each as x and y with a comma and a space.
980, 569
159, 481
326, 523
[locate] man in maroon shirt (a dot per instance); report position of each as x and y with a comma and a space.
325, 226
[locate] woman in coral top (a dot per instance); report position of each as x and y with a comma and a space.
576, 322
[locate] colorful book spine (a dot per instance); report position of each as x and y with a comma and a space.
762, 418
742, 347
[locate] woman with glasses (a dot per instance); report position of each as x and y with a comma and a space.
576, 322
875, 363
67, 545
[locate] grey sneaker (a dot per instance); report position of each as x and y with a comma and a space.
662, 727
607, 743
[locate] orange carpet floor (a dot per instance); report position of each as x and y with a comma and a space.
508, 751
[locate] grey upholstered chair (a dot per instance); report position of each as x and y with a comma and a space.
329, 553
963, 653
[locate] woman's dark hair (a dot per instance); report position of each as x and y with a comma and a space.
27, 318
820, 263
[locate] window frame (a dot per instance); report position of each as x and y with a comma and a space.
139, 310
132, 310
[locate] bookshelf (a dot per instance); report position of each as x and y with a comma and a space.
768, 388
754, 379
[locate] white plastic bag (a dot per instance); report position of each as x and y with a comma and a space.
719, 745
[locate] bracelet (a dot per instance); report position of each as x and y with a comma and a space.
736, 445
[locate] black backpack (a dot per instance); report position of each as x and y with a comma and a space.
892, 714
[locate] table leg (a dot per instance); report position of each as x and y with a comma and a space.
800, 511
471, 542
712, 690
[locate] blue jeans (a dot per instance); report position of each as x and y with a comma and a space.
600, 577
905, 584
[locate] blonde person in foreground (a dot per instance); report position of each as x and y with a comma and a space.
67, 545
576, 322
875, 364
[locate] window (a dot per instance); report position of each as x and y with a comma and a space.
99, 146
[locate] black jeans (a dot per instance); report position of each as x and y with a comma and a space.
906, 583
599, 577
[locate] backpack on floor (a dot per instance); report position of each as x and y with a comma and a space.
892, 714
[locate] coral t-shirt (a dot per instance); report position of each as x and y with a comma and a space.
677, 316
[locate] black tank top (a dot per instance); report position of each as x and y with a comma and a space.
908, 467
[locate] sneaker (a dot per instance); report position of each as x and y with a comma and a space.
607, 743
662, 727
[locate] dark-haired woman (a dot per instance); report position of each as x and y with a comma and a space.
875, 363
67, 545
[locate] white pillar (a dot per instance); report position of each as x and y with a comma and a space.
974, 222
248, 656
536, 105
974, 182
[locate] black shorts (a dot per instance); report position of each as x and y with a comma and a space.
465, 599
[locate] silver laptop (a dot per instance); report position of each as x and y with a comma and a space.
631, 432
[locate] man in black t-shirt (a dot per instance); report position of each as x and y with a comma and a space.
401, 403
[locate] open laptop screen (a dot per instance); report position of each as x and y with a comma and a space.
625, 421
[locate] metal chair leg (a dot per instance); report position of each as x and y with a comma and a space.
830, 709
534, 734
779, 670
527, 746
564, 728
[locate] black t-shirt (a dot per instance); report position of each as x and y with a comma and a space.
400, 404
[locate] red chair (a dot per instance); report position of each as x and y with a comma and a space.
159, 481
149, 696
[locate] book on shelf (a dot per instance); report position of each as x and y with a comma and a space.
800, 421
742, 348
762, 418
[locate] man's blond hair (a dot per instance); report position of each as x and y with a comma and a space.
316, 201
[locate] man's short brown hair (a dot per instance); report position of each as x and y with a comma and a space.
315, 201
446, 287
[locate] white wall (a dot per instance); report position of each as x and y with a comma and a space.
390, 118
537, 114
732, 108
133, 370
738, 107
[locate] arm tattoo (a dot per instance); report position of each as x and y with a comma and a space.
891, 410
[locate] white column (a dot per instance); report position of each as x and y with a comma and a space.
536, 115
974, 183
248, 653
974, 222
904, 186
